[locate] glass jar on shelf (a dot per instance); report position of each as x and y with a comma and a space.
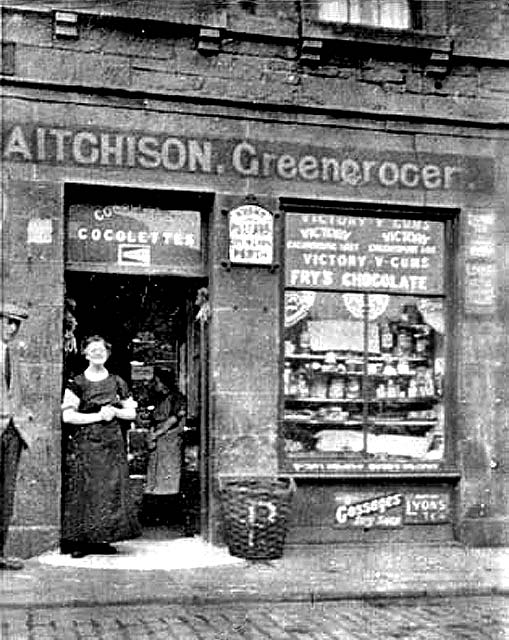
392, 389
318, 385
353, 388
423, 339
404, 342
287, 379
386, 336
336, 387
305, 340
303, 383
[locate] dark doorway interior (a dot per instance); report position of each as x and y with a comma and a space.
150, 322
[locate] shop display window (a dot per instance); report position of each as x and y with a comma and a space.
363, 372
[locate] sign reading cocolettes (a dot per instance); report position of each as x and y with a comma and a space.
130, 235
357, 253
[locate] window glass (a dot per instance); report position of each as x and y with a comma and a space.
393, 14
363, 370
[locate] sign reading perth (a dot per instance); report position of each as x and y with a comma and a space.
262, 159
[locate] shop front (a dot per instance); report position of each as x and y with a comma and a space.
366, 378
316, 287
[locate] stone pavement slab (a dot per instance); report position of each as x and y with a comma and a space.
310, 573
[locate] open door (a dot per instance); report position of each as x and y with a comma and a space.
197, 394
153, 325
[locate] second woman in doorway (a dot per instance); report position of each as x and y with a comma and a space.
165, 439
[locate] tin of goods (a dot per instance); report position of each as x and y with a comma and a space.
423, 341
353, 388
319, 387
353, 365
392, 389
403, 367
386, 337
289, 348
405, 342
287, 379
336, 388
302, 386
305, 341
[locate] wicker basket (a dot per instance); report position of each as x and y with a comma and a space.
255, 515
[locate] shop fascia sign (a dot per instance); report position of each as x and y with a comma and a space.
351, 168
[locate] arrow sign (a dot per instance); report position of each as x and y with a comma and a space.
133, 254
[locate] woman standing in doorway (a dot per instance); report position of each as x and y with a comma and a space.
165, 439
96, 501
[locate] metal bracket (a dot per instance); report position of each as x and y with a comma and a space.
209, 40
226, 264
311, 51
438, 65
65, 25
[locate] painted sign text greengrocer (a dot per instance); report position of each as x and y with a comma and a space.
357, 253
261, 159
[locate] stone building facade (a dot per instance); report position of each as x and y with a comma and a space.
206, 107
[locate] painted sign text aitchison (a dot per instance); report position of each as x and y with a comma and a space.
261, 159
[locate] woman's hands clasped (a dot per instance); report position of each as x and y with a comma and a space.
107, 413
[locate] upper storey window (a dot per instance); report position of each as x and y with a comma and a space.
390, 14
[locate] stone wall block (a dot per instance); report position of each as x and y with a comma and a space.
480, 27
39, 483
381, 74
245, 441
50, 65
493, 83
38, 28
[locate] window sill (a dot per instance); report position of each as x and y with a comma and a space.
326, 40
442, 474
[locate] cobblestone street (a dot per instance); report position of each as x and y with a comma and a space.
476, 618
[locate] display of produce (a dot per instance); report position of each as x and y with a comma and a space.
383, 402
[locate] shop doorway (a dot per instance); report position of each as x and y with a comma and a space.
153, 324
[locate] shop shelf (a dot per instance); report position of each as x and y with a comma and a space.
324, 423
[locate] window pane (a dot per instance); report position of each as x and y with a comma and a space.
393, 14
324, 343
405, 375
357, 10
363, 377
333, 11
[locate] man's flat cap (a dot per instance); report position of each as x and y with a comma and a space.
14, 311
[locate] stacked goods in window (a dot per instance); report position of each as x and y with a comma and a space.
387, 338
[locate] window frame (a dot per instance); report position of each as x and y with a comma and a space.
428, 37
446, 467
414, 17
427, 16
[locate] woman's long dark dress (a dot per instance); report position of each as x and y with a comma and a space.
96, 501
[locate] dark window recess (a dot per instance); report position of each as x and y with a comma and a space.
8, 58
